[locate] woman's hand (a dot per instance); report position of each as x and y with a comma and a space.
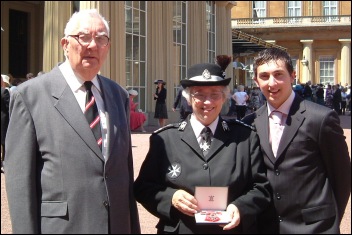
234, 213
185, 202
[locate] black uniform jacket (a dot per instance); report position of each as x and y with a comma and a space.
175, 161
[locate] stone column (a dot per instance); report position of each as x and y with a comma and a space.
307, 69
56, 15
224, 32
197, 33
224, 39
345, 69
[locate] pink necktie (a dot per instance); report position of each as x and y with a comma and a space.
276, 129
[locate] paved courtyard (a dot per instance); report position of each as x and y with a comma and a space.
140, 146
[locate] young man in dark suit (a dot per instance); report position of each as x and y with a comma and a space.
309, 167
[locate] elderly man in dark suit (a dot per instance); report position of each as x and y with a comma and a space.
68, 175
305, 152
204, 150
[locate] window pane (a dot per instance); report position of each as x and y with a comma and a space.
142, 25
179, 42
128, 73
142, 45
210, 24
326, 70
142, 69
128, 19
142, 7
136, 48
128, 47
136, 75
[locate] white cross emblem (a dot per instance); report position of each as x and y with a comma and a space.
174, 170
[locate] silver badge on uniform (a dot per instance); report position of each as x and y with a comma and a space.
174, 170
182, 126
206, 74
225, 126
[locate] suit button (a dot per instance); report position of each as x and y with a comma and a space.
205, 166
277, 172
280, 219
278, 196
106, 176
105, 203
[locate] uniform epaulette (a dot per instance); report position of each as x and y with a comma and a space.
238, 122
174, 125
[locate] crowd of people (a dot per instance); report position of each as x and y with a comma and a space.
73, 171
336, 97
245, 100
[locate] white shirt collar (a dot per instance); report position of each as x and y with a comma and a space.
198, 127
74, 81
285, 107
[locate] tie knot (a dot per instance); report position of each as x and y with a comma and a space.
206, 132
88, 85
276, 116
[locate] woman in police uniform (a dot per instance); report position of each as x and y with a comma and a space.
179, 159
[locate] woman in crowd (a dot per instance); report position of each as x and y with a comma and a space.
137, 119
160, 107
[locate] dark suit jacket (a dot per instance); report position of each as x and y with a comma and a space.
184, 106
57, 180
5, 99
175, 161
311, 176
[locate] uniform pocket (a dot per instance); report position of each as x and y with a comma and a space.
318, 213
53, 209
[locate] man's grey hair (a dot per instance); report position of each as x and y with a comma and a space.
81, 15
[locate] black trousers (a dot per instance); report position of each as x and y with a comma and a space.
241, 111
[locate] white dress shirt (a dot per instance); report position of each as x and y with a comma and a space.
77, 86
198, 127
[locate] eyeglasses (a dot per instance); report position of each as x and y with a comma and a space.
203, 97
86, 39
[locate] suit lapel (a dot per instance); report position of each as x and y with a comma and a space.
262, 126
66, 104
190, 139
220, 138
294, 120
111, 110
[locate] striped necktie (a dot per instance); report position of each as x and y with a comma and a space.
92, 114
